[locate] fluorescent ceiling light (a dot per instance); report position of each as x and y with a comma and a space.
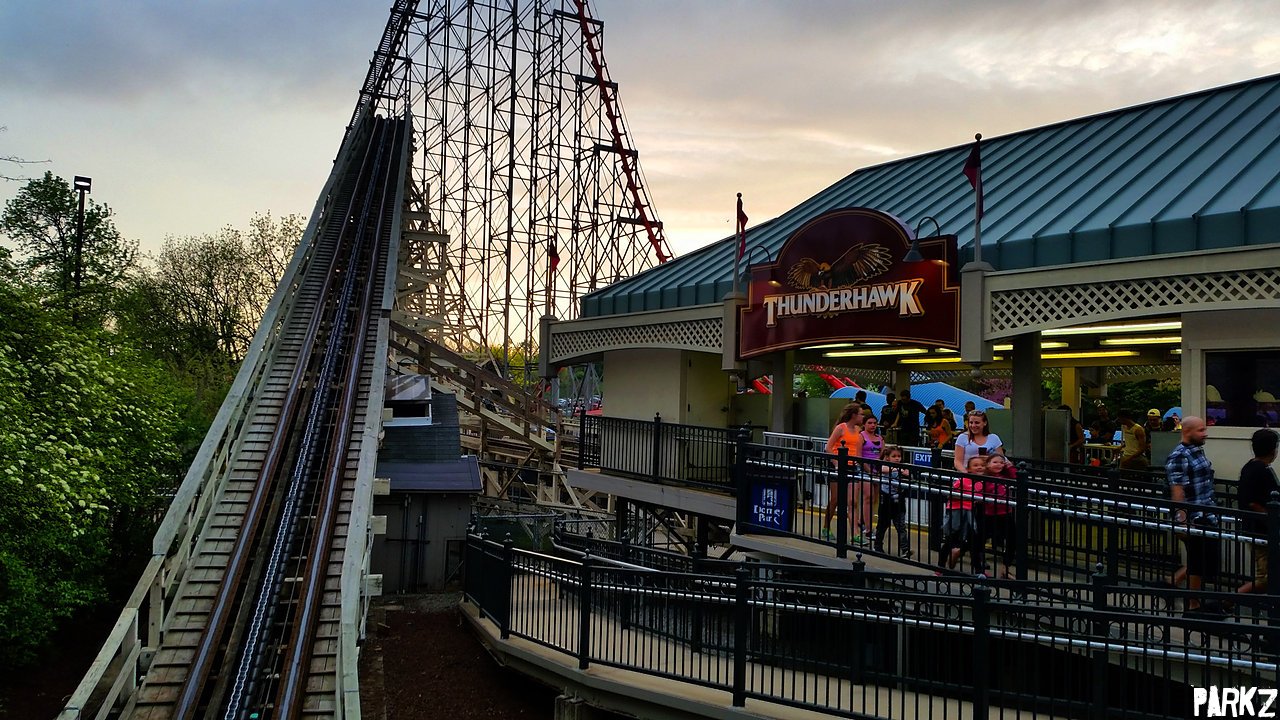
1165, 340
1176, 351
1132, 327
945, 359
1049, 345
1085, 354
877, 351
831, 346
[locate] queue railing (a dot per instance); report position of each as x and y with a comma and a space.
1150, 481
624, 551
1050, 521
659, 451
855, 643
1032, 526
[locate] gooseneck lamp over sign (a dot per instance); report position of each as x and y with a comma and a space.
746, 271
913, 253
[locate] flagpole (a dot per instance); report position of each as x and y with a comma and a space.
974, 348
977, 209
737, 253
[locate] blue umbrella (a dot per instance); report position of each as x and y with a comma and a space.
1172, 411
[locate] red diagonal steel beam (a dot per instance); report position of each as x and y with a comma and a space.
626, 154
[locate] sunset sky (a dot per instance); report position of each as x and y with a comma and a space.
192, 116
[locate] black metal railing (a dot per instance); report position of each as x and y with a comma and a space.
855, 643
1041, 524
623, 551
1150, 482
1050, 522
658, 451
602, 527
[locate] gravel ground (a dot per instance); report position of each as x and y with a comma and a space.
421, 660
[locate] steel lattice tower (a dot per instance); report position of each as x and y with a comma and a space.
520, 154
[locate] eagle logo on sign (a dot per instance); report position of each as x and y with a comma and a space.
859, 264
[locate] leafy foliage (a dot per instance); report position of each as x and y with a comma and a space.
42, 221
203, 296
814, 386
1142, 395
521, 367
90, 442
101, 413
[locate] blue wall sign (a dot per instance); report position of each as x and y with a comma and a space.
771, 505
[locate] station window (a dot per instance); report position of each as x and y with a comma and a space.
1242, 388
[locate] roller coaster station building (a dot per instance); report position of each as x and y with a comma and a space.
1142, 242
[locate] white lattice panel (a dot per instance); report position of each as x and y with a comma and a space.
1118, 372
701, 335
864, 376
1025, 310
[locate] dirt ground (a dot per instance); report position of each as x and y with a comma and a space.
422, 660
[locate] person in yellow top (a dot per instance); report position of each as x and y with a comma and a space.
1133, 452
1154, 424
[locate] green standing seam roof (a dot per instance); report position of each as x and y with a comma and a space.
1195, 172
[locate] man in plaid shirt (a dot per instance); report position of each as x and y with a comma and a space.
1191, 481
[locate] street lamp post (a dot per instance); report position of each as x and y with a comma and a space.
82, 185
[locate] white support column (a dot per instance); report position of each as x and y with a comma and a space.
729, 334
1028, 416
544, 349
975, 309
782, 398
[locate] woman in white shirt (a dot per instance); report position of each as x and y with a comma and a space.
977, 440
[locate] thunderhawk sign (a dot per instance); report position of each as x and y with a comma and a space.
840, 277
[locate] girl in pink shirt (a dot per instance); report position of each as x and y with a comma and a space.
959, 526
997, 514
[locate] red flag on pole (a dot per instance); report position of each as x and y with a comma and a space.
742, 229
554, 254
973, 171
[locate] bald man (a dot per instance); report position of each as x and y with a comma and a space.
1191, 482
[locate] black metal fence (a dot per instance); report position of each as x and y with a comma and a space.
1042, 524
1054, 521
1149, 482
622, 551
862, 644
659, 451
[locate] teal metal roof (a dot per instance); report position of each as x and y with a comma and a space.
1195, 172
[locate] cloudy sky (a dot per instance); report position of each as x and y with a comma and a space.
194, 115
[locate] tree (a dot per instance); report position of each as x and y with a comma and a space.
9, 161
42, 219
91, 442
996, 389
202, 297
271, 245
1142, 395
814, 386
521, 368
98, 422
